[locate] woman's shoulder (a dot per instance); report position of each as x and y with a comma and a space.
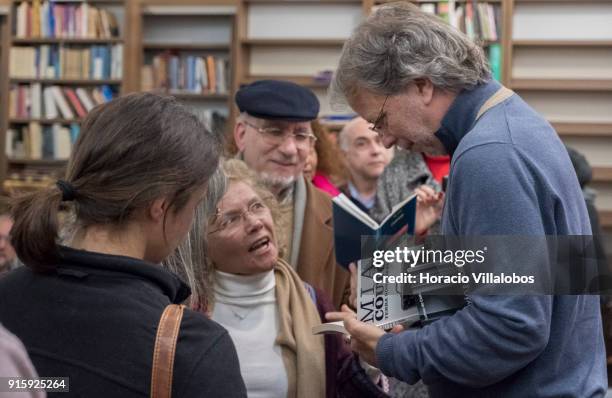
205, 348
198, 326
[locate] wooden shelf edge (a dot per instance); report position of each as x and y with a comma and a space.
38, 162
43, 121
85, 82
602, 174
188, 95
317, 2
605, 218
562, 84
295, 42
201, 10
80, 1
306, 81
578, 129
53, 40
560, 1
562, 43
186, 46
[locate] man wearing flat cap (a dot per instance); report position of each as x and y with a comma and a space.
274, 136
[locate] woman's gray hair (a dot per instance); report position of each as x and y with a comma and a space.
398, 44
190, 260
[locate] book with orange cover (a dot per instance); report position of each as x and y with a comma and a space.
212, 75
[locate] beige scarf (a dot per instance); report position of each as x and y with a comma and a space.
303, 352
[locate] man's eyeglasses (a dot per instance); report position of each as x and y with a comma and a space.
376, 126
276, 136
233, 219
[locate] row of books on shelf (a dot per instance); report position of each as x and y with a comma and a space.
51, 102
23, 181
47, 19
186, 73
36, 141
480, 21
61, 62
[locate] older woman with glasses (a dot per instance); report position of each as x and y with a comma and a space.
267, 309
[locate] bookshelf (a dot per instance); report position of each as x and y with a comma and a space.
301, 41
298, 41
185, 50
59, 59
566, 75
5, 33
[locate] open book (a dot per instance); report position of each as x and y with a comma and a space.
389, 304
375, 304
351, 224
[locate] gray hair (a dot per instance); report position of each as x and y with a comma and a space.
190, 260
398, 44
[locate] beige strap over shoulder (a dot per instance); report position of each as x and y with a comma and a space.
500, 96
165, 348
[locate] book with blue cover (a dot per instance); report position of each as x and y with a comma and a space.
356, 234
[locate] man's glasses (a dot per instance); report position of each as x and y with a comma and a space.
276, 136
376, 126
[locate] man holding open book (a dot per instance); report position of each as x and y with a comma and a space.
425, 86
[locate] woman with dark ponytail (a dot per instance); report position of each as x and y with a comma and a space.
88, 309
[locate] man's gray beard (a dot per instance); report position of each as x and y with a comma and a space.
277, 183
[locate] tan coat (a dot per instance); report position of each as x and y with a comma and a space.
317, 260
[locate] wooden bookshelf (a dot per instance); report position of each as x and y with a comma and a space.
562, 1
187, 46
70, 82
602, 174
295, 42
570, 76
562, 84
38, 162
5, 45
306, 81
207, 28
65, 41
304, 1
572, 129
43, 121
605, 219
562, 43
194, 96
51, 167
259, 40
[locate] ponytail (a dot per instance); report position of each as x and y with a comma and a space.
35, 230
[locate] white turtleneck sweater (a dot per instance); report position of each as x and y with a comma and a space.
246, 307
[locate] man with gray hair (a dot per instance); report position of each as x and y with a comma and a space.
425, 86
274, 136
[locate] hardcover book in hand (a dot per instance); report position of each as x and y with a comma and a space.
356, 234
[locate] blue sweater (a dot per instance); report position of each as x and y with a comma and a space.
510, 175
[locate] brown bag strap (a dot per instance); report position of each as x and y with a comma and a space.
165, 347
498, 97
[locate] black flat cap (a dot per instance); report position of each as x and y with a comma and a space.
278, 100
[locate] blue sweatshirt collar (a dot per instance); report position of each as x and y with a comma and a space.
461, 115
